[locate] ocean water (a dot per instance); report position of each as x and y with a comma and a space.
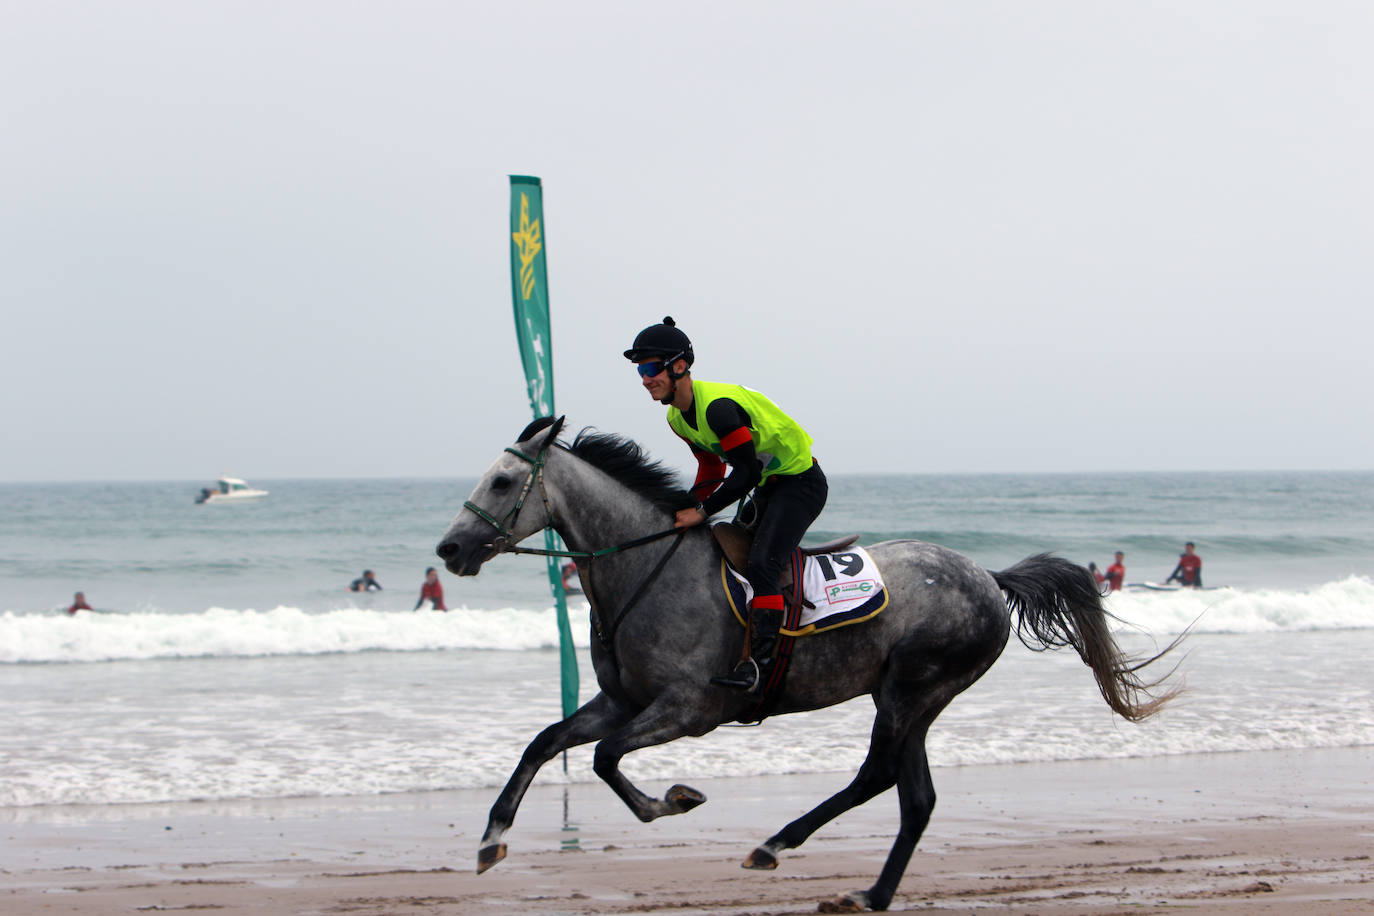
226, 659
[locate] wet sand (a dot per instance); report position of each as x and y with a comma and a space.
1262, 832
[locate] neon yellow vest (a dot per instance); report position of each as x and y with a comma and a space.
782, 445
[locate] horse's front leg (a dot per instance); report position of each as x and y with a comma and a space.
669, 717
598, 718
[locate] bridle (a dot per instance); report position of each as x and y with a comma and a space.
504, 535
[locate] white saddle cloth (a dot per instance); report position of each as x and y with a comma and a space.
844, 587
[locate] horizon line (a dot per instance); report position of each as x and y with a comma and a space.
193, 481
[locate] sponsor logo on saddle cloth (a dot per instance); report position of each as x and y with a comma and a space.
840, 589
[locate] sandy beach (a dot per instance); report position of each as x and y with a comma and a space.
1259, 832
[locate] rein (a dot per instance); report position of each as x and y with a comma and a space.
592, 555
503, 535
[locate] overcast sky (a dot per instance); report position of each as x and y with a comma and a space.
270, 238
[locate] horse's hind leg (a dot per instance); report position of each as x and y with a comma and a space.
916, 794
877, 775
663, 721
598, 718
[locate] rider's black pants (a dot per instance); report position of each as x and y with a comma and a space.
787, 505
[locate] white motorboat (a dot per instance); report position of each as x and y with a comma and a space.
229, 490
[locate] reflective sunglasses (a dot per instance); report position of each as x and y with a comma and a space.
650, 370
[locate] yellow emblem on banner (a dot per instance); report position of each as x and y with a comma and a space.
528, 243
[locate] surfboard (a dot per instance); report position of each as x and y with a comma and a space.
1168, 587
1154, 586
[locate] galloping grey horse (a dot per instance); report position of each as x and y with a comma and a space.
663, 627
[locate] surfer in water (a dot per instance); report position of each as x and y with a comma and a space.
1188, 572
571, 583
366, 583
1116, 573
79, 603
432, 590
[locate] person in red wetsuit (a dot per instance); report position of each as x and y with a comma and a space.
79, 603
571, 583
1116, 573
432, 591
1189, 569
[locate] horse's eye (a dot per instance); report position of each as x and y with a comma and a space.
500, 483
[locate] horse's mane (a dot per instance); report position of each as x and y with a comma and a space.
629, 464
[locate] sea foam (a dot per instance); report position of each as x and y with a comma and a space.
1347, 604
225, 632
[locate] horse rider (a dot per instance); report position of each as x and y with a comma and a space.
768, 453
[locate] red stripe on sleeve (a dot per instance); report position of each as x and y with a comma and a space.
735, 439
710, 473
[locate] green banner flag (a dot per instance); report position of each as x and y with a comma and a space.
530, 292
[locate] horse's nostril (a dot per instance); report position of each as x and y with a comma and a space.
446, 549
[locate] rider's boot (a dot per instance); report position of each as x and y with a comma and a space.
765, 618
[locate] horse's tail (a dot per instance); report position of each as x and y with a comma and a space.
1060, 604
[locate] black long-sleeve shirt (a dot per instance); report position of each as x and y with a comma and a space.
726, 418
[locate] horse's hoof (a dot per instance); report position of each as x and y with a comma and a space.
856, 902
488, 856
683, 798
761, 859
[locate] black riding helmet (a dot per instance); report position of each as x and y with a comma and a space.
661, 341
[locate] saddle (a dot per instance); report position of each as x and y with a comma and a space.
735, 541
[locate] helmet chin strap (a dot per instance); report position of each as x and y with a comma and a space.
672, 389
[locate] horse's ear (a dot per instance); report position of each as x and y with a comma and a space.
553, 425
554, 430
535, 427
